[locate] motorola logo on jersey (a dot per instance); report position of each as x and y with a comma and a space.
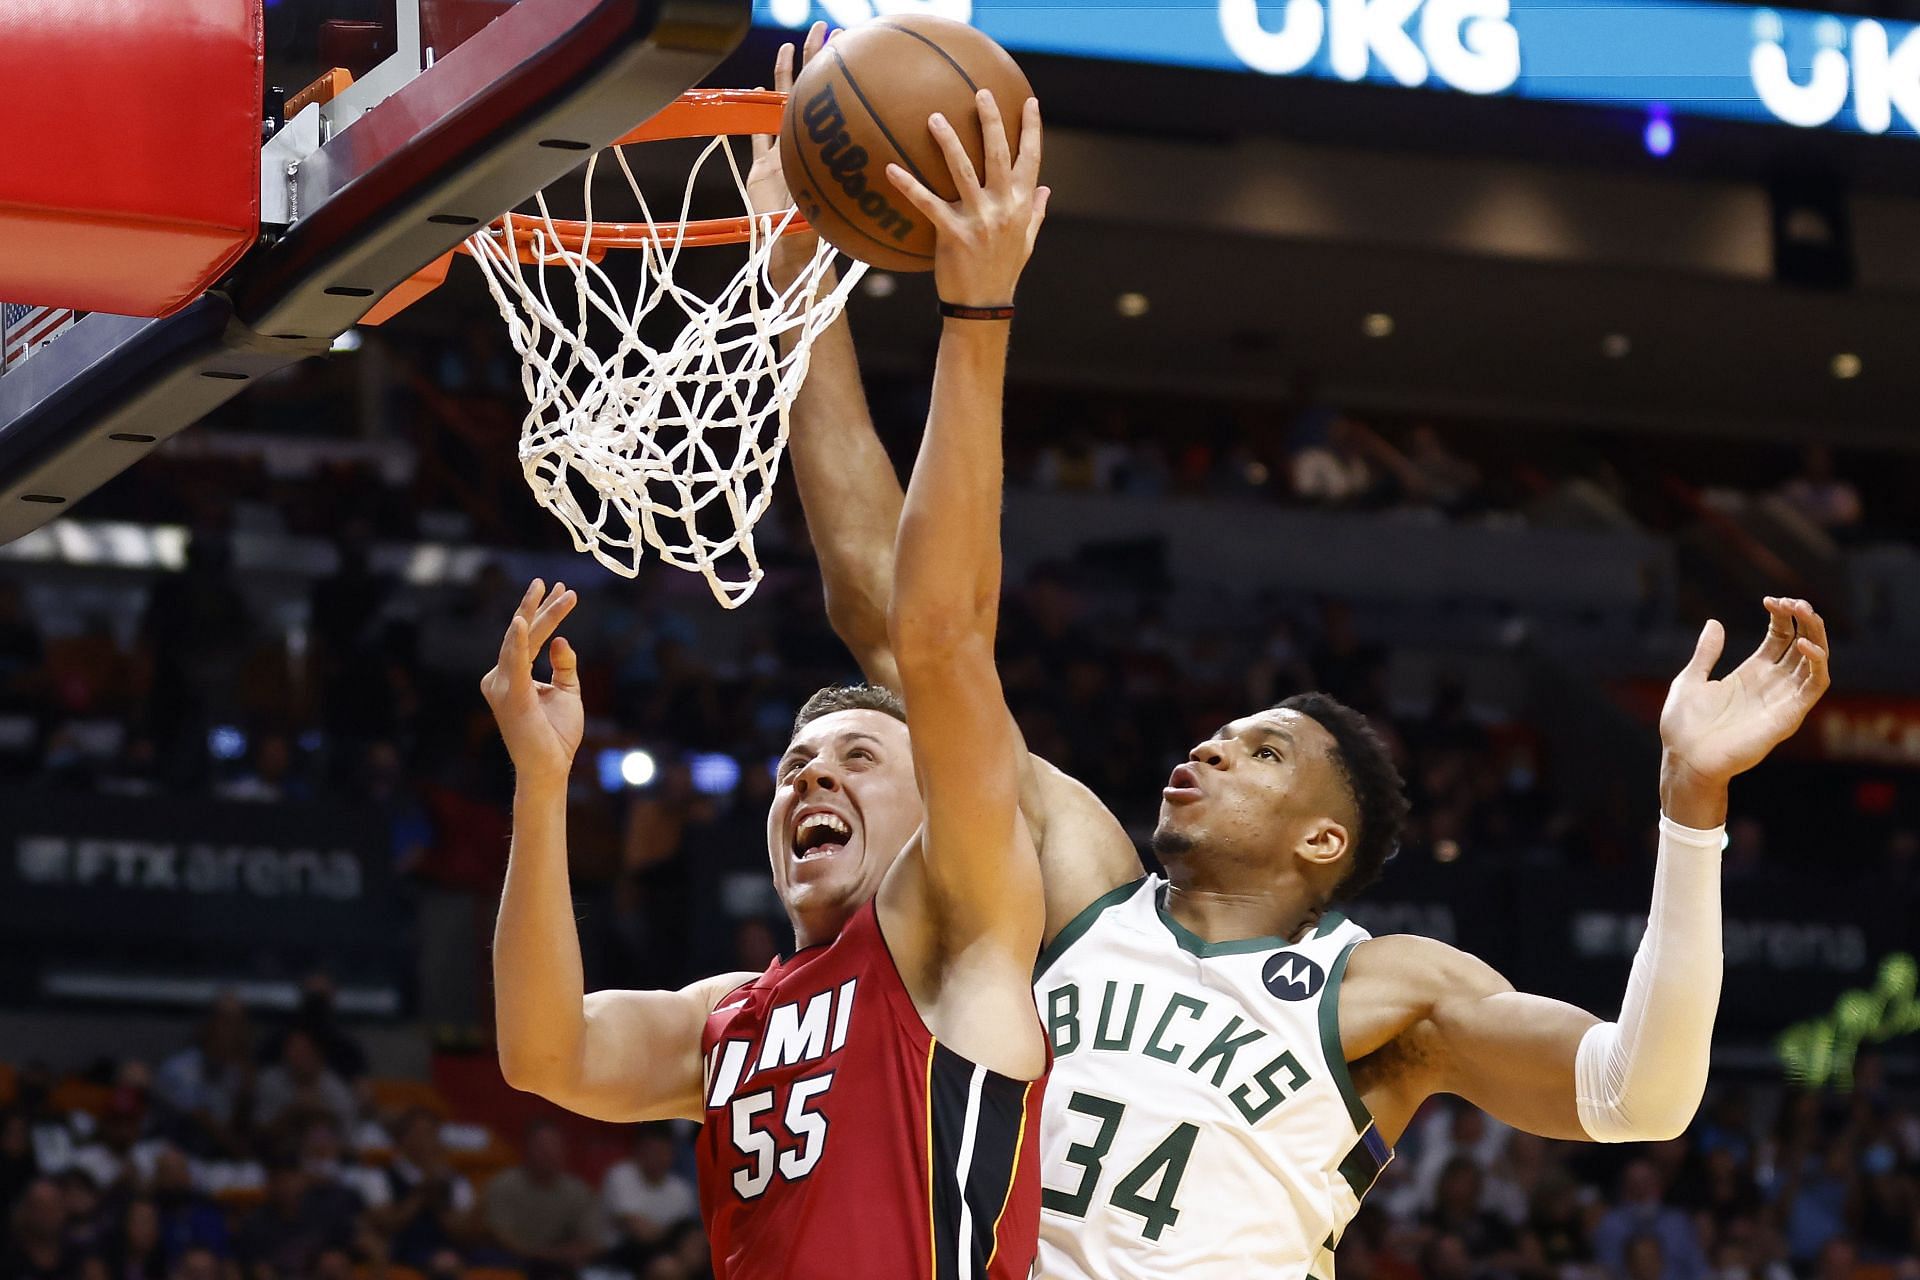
1292, 976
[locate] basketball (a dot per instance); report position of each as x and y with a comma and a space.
862, 103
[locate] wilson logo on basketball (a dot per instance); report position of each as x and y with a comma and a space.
846, 163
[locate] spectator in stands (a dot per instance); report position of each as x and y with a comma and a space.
19, 1166
301, 1082
1644, 1260
429, 1205
121, 1152
1555, 1239
1837, 1260
549, 1219
644, 1199
386, 786
333, 1264
347, 608
1435, 475
37, 1239
198, 630
88, 1229
138, 1252
205, 1084
283, 1238
1325, 462
1642, 1212
324, 1156
1446, 1258
1459, 1212
189, 1219
196, 1264
686, 1255
22, 652
1821, 496
319, 1017
269, 777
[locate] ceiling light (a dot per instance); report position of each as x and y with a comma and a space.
637, 768
1377, 324
1131, 305
879, 284
1615, 346
1658, 135
1844, 366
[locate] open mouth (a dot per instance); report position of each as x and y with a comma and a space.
1183, 785
819, 833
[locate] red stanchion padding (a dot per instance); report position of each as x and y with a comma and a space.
130, 131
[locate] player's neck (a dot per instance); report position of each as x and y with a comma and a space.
816, 928
1217, 913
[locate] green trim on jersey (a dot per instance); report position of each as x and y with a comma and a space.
1072, 931
1329, 922
1330, 1040
1362, 1166
1192, 942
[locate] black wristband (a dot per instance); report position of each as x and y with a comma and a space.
954, 311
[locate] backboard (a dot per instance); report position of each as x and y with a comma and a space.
457, 111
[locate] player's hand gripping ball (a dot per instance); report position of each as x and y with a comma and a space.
862, 103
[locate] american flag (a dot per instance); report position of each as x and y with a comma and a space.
25, 329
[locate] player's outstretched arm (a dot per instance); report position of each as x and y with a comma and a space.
976, 875
612, 1055
852, 499
848, 487
1450, 1024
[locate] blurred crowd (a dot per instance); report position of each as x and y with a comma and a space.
1764, 1186
272, 1155
250, 1156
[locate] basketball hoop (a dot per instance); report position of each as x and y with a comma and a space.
677, 447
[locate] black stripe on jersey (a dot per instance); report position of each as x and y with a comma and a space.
967, 1202
1363, 1165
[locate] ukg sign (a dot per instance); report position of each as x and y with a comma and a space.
1766, 65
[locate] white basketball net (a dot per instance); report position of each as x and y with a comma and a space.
673, 448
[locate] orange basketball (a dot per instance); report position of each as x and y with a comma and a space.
862, 103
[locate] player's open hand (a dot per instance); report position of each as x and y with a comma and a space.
541, 723
767, 191
984, 238
1719, 728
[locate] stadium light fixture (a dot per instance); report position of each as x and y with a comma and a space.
1658, 135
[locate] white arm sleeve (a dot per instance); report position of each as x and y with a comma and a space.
1640, 1079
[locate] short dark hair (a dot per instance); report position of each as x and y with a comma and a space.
1367, 769
850, 697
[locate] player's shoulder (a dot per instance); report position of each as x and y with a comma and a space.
1085, 853
1419, 970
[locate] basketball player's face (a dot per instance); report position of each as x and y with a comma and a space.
1265, 785
845, 806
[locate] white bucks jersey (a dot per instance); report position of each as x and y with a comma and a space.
1199, 1121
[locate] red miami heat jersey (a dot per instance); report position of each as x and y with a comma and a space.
843, 1140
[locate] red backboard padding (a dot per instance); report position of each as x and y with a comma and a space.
129, 149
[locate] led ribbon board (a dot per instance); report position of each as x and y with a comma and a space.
1770, 66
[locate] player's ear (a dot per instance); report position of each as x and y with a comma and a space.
1323, 843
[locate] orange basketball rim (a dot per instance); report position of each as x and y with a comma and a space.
698, 113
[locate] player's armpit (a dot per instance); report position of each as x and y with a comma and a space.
1418, 1017
640, 1057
